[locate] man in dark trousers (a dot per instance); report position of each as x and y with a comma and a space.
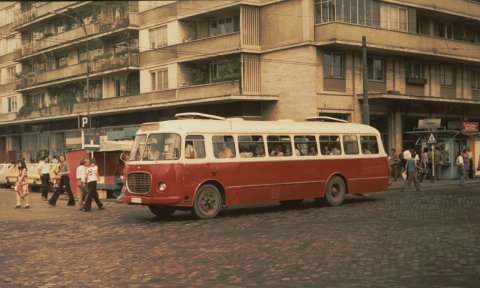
44, 171
63, 172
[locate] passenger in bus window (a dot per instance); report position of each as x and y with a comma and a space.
335, 151
259, 151
365, 149
325, 150
312, 150
226, 152
189, 151
244, 152
277, 150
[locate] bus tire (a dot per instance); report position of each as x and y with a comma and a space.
208, 202
162, 211
335, 192
291, 203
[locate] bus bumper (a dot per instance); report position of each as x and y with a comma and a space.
142, 200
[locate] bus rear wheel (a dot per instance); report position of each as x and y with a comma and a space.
335, 192
161, 211
208, 202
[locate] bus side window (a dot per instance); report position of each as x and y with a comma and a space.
279, 146
305, 146
194, 147
251, 146
330, 145
350, 144
369, 144
223, 146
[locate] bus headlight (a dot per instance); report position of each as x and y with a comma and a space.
162, 187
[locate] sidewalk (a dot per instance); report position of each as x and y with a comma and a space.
397, 185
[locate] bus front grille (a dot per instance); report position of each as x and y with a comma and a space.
138, 182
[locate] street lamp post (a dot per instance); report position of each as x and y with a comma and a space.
82, 24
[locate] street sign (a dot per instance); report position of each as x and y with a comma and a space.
83, 122
91, 142
429, 123
432, 139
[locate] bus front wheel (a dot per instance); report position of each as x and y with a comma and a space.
161, 211
208, 202
335, 192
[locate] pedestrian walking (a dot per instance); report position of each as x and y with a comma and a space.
411, 169
91, 179
21, 187
394, 161
438, 162
63, 172
81, 189
466, 163
461, 169
44, 171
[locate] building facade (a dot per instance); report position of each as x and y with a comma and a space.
256, 59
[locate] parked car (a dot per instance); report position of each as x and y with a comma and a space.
11, 176
33, 178
5, 169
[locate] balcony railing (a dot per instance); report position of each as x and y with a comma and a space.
36, 12
96, 66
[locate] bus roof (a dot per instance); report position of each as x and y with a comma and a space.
239, 126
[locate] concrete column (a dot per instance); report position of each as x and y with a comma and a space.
397, 133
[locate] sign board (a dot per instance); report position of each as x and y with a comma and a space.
470, 127
83, 122
91, 142
429, 123
432, 139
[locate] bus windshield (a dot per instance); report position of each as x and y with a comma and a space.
159, 146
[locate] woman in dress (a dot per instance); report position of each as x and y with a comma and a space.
21, 188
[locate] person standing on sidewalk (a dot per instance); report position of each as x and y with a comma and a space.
21, 187
438, 162
92, 178
63, 172
461, 169
411, 168
466, 163
394, 161
471, 164
44, 171
81, 182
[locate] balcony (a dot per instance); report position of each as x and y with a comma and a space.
78, 33
37, 12
466, 8
126, 60
350, 35
197, 49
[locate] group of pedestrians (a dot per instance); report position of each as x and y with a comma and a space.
415, 168
86, 176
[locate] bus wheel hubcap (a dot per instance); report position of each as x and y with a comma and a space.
208, 202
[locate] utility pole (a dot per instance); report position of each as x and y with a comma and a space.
365, 106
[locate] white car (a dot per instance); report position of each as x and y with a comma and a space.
5, 169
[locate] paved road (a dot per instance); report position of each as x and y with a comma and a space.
390, 239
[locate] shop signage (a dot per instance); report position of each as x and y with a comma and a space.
429, 123
470, 127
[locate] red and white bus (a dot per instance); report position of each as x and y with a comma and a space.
209, 164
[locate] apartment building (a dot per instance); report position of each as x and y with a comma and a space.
256, 59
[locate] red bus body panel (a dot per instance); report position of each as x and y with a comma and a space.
247, 182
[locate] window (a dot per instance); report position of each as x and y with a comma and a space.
224, 26
279, 146
11, 72
475, 79
445, 30
62, 61
12, 104
120, 87
330, 145
414, 69
159, 79
305, 145
369, 144
6, 16
350, 144
363, 12
324, 11
194, 147
393, 17
333, 65
446, 75
225, 69
162, 146
223, 146
158, 37
139, 147
251, 146
375, 68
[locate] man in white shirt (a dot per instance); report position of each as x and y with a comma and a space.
44, 172
81, 182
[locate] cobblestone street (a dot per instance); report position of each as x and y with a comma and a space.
388, 239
